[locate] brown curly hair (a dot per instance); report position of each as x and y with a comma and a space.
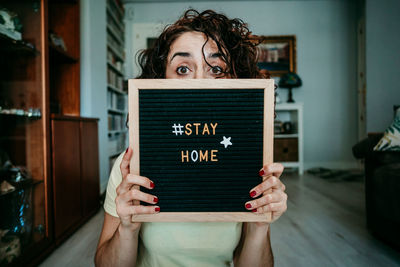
232, 37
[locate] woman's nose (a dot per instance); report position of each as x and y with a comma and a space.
200, 74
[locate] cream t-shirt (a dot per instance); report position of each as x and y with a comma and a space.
179, 244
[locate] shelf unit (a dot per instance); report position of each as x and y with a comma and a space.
288, 146
40, 78
25, 209
117, 99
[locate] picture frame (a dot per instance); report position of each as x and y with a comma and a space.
276, 54
151, 115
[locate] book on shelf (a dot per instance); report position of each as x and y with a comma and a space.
116, 122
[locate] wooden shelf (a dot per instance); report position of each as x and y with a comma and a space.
115, 52
56, 53
114, 89
113, 17
114, 68
116, 132
115, 35
116, 111
120, 10
8, 44
286, 135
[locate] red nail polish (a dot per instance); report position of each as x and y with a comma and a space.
253, 193
127, 150
248, 206
261, 173
151, 185
255, 210
157, 209
155, 200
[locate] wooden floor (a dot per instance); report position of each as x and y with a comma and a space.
324, 226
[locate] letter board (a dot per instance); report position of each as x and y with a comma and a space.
202, 142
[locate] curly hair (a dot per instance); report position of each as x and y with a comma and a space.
232, 37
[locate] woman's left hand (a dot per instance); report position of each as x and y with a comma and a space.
269, 196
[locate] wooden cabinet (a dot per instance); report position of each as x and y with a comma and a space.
89, 167
39, 77
75, 172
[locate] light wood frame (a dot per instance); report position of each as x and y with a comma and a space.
140, 84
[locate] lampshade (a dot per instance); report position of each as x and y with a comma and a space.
290, 80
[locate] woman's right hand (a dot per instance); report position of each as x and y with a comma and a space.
128, 197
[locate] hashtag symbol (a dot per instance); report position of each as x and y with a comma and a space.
177, 129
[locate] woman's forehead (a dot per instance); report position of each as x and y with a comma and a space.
193, 41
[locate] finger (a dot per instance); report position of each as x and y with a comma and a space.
135, 194
132, 210
145, 209
278, 208
271, 182
126, 159
274, 197
132, 179
274, 169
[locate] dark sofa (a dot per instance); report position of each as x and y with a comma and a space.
382, 189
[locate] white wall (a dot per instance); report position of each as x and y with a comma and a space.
93, 74
326, 56
382, 62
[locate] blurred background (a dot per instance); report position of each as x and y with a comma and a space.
63, 108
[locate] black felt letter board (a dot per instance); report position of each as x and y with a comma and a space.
203, 148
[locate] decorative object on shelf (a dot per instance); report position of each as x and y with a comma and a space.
10, 247
287, 127
278, 126
290, 80
6, 187
277, 54
30, 113
16, 199
10, 24
57, 41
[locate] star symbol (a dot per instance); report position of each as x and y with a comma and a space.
226, 142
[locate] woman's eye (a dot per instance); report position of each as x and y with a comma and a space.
216, 70
182, 70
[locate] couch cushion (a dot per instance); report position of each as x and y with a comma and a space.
391, 139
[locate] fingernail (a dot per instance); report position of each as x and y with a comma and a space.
157, 209
127, 149
155, 200
248, 206
253, 193
255, 210
261, 173
151, 185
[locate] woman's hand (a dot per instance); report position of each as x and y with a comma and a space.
128, 197
272, 191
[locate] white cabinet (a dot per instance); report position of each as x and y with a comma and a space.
288, 145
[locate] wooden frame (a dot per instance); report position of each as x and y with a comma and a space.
277, 54
141, 84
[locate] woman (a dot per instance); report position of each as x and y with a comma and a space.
197, 46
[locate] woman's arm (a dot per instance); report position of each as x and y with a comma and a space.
254, 248
117, 245
118, 242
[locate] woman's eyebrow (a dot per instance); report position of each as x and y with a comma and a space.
215, 55
181, 54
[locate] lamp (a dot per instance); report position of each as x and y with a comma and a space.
290, 80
